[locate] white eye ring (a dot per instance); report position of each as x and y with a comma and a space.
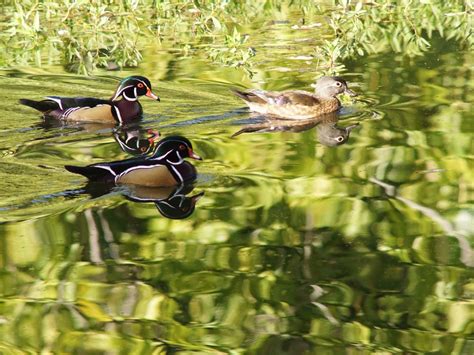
340, 139
338, 83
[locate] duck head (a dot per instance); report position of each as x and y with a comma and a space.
133, 87
331, 86
175, 149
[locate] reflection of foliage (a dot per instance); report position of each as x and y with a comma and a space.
99, 34
85, 34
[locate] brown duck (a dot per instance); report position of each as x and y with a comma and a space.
298, 104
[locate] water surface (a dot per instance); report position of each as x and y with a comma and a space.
294, 247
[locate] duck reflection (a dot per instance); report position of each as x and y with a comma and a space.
171, 202
329, 133
132, 139
135, 140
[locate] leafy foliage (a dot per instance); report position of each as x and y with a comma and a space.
87, 35
379, 27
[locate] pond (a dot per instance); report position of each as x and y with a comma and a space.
293, 246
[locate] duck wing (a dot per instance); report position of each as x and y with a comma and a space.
108, 171
65, 103
250, 96
53, 103
290, 97
295, 98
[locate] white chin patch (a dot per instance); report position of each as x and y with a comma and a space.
129, 98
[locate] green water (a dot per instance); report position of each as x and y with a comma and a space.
295, 247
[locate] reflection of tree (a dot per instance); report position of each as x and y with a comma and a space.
467, 256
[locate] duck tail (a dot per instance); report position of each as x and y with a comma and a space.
43, 106
248, 96
90, 172
244, 95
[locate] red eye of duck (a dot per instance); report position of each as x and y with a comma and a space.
182, 147
140, 85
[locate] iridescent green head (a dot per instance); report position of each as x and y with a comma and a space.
132, 87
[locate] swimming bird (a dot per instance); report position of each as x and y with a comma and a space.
123, 107
298, 104
166, 167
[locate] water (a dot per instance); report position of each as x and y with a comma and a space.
294, 246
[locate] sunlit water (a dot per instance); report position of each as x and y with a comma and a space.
294, 247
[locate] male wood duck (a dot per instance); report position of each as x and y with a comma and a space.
166, 167
298, 104
123, 107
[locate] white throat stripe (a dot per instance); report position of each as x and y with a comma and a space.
119, 116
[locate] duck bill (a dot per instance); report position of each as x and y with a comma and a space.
350, 92
154, 135
351, 127
193, 155
151, 95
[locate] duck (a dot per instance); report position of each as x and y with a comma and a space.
123, 107
166, 167
298, 104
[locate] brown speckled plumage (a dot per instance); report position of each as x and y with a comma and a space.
298, 104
